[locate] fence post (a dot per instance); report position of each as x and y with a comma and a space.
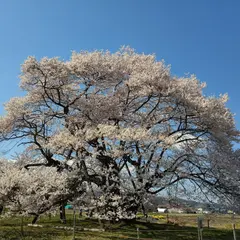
234, 232
74, 222
200, 228
22, 232
234, 227
138, 233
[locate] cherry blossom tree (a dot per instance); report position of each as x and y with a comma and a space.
31, 192
229, 176
121, 122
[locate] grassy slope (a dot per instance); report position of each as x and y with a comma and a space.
184, 228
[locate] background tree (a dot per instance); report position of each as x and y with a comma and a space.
33, 191
122, 122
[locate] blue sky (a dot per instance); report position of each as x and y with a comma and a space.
194, 36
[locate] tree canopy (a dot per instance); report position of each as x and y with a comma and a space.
121, 124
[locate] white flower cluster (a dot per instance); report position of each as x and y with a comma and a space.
31, 191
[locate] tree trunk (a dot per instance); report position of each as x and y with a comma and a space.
35, 219
80, 213
144, 213
63, 213
1, 209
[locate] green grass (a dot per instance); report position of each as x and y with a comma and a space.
181, 227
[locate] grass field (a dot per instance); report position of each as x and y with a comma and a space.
181, 226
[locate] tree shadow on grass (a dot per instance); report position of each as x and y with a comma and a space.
120, 230
170, 232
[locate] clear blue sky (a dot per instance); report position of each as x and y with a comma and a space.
195, 36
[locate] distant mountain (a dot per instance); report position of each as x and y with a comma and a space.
158, 201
